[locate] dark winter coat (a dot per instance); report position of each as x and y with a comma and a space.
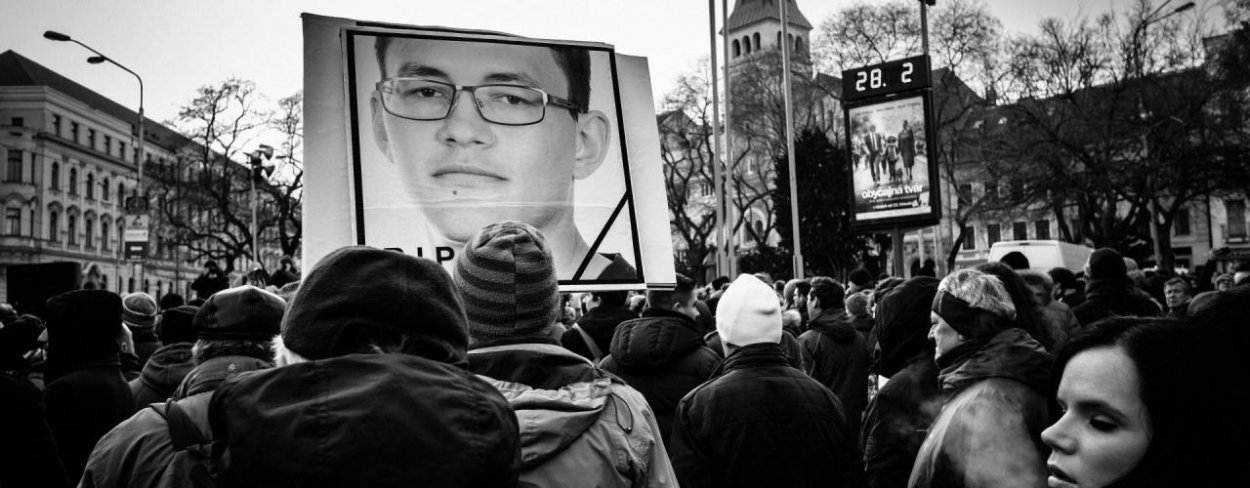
365, 420
896, 421
137, 453
663, 356
146, 343
83, 405
28, 454
988, 434
760, 422
1104, 298
839, 361
898, 417
795, 354
162, 374
600, 323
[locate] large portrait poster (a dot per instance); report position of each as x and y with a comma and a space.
448, 131
891, 176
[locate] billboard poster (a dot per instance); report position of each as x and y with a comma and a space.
893, 172
446, 131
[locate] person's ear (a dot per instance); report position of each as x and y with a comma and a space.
379, 124
593, 135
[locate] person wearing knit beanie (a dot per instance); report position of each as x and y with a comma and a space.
749, 313
507, 280
175, 325
727, 431
139, 312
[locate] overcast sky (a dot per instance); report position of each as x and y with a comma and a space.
178, 45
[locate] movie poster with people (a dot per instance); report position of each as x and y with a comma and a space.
447, 131
891, 174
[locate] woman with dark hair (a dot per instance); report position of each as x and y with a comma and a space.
1131, 408
1029, 317
897, 418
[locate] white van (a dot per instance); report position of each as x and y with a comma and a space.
1044, 255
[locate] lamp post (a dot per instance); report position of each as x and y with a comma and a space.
1136, 69
139, 206
256, 163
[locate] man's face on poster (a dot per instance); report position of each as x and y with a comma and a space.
466, 171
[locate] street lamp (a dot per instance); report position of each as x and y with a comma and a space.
141, 205
1138, 71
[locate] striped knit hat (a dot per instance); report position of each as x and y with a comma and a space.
508, 282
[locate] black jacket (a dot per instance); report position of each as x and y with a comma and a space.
839, 361
139, 453
365, 420
600, 322
162, 374
895, 423
760, 422
83, 405
28, 455
1104, 298
663, 356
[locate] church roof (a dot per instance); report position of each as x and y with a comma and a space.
747, 12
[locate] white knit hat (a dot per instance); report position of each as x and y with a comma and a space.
749, 313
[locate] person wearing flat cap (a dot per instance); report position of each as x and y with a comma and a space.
760, 421
370, 390
994, 378
231, 333
580, 426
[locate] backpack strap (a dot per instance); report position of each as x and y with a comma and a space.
590, 343
182, 431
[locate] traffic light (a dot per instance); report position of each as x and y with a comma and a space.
257, 158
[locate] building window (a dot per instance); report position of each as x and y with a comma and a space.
1042, 229
108, 144
747, 41
964, 192
121, 149
13, 168
737, 48
71, 223
1019, 231
130, 285
53, 227
104, 189
121, 193
13, 221
1180, 223
756, 39
56, 125
73, 181
970, 237
993, 233
18, 122
91, 138
104, 235
1236, 212
89, 231
991, 191
90, 186
73, 131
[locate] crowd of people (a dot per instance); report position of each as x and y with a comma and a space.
377, 368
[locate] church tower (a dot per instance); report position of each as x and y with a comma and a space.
755, 27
